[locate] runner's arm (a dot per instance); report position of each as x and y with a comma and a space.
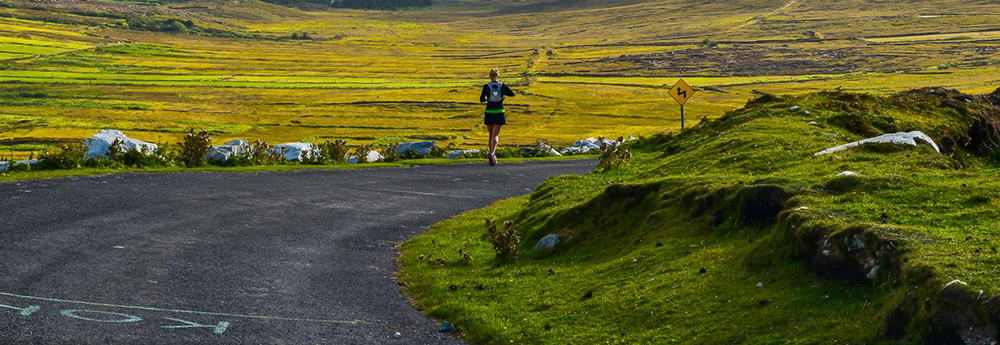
507, 91
484, 94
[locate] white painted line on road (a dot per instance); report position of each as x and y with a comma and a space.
181, 311
422, 193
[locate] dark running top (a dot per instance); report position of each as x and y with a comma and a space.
496, 107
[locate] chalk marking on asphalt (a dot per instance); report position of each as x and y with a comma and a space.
422, 193
218, 328
31, 309
181, 311
73, 314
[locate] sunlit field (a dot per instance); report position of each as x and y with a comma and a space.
601, 68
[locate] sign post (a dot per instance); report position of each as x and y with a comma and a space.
681, 92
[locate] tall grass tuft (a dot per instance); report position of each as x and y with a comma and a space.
614, 155
362, 153
389, 153
504, 241
329, 152
194, 148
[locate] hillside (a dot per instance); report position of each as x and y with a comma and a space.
735, 231
583, 68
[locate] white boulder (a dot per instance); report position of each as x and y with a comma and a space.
589, 143
457, 154
422, 148
225, 152
549, 150
373, 156
98, 145
574, 150
293, 151
903, 138
847, 173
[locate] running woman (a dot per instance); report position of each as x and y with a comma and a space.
493, 94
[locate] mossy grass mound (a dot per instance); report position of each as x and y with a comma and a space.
736, 232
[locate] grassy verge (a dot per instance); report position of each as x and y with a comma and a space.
735, 232
50, 174
642, 293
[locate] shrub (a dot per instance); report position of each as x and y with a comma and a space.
389, 153
362, 153
329, 152
194, 148
116, 151
69, 157
257, 153
506, 152
437, 152
709, 43
140, 159
504, 241
613, 155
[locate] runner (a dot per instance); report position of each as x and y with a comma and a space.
493, 94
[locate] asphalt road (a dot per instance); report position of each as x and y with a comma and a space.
231, 258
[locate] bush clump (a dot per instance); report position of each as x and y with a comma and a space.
362, 153
614, 155
69, 157
329, 152
390, 154
504, 241
194, 148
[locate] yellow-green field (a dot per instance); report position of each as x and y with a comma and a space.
593, 68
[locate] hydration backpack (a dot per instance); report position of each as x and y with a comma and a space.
496, 92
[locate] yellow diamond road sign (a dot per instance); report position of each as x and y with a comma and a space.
681, 92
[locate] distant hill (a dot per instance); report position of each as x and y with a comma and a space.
361, 4
381, 4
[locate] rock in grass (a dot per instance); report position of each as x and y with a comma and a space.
456, 154
446, 327
226, 152
847, 173
292, 151
99, 144
421, 148
903, 138
547, 244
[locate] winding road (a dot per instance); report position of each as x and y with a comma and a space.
231, 258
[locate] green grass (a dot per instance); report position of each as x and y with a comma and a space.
637, 237
642, 294
12, 176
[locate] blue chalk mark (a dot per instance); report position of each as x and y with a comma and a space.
73, 314
181, 311
218, 328
27, 311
